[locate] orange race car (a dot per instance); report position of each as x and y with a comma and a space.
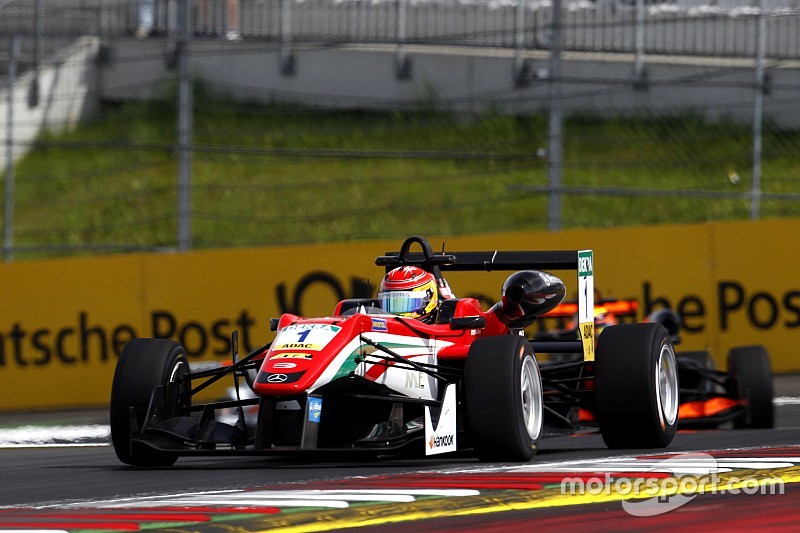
709, 397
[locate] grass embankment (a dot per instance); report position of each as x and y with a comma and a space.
284, 174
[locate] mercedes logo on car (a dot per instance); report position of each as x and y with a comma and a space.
279, 378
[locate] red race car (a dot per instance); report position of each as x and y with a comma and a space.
413, 370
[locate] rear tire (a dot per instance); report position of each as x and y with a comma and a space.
503, 396
636, 381
144, 365
751, 367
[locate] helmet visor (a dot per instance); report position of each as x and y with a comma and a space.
402, 302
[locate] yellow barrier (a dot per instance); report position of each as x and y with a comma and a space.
64, 322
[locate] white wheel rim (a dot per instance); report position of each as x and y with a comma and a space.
531, 397
667, 386
174, 374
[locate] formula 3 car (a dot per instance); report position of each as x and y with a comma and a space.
366, 381
741, 395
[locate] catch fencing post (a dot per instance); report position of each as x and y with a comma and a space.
184, 131
758, 110
8, 219
287, 57
402, 64
521, 69
638, 66
554, 130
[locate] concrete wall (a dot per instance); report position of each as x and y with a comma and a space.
467, 79
457, 78
67, 93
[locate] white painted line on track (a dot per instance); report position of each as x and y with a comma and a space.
34, 530
55, 436
786, 400
326, 498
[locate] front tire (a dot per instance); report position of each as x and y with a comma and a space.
144, 365
636, 381
503, 396
751, 367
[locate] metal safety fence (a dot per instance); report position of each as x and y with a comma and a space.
684, 27
197, 168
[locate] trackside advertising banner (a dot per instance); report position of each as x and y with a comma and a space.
64, 322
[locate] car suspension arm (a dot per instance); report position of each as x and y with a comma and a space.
398, 358
216, 375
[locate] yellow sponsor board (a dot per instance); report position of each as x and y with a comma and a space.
63, 322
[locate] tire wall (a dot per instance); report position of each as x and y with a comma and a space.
64, 322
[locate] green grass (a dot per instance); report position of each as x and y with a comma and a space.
274, 174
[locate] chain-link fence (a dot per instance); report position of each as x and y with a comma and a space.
197, 167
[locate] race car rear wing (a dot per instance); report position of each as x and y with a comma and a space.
581, 261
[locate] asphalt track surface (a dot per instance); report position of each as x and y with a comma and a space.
48, 475
87, 489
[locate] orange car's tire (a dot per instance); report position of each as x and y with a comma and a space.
752, 373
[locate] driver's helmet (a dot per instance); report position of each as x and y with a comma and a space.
670, 320
408, 291
602, 319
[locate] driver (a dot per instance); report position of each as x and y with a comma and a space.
411, 292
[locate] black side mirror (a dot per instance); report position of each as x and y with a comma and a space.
468, 322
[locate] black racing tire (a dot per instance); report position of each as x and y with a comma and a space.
636, 386
143, 365
750, 367
503, 397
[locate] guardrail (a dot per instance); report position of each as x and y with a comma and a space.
602, 26
725, 29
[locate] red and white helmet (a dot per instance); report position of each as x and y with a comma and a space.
408, 291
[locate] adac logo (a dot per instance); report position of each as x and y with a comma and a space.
298, 346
